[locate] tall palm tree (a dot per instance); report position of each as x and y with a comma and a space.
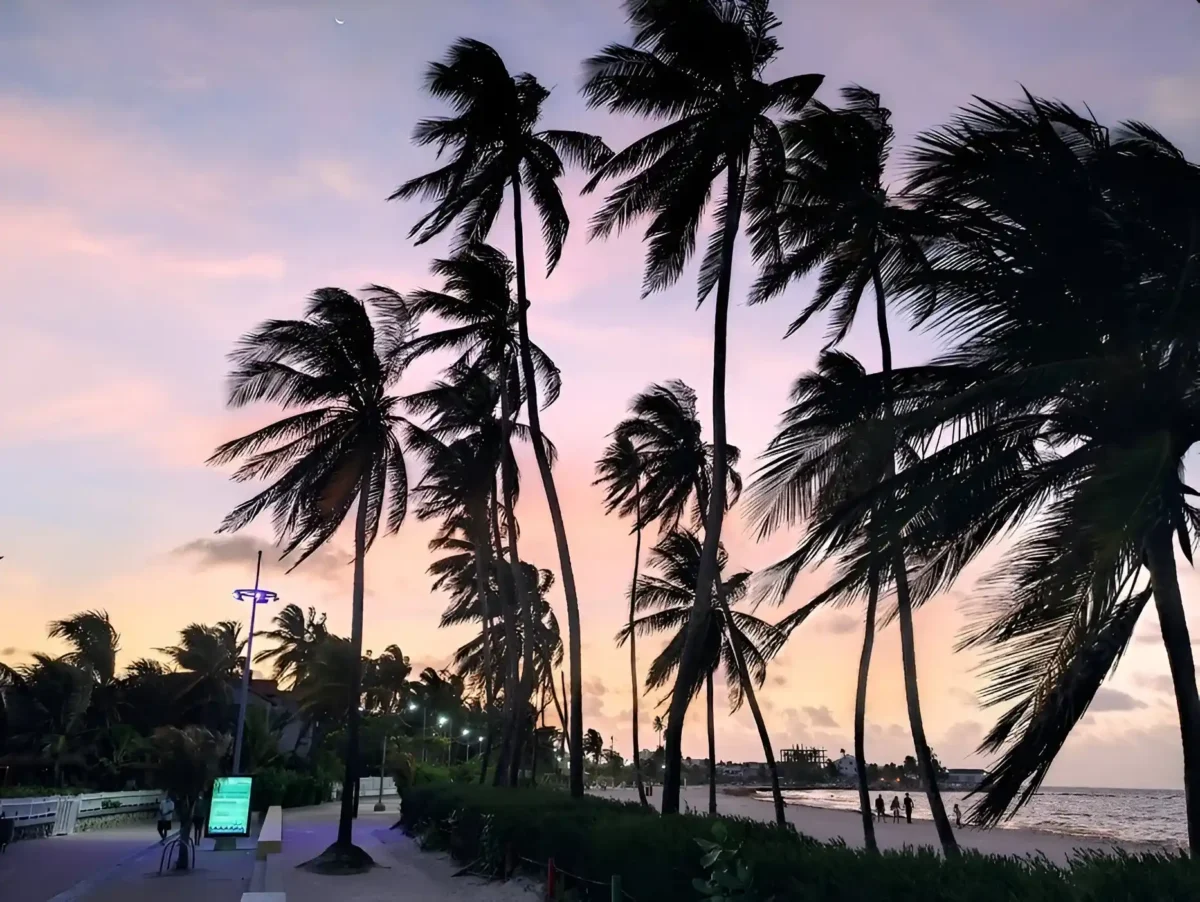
497, 148
296, 636
339, 449
700, 65
1063, 276
658, 727
678, 468
95, 644
620, 471
740, 642
836, 214
210, 660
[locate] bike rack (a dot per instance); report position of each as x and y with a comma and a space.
167, 849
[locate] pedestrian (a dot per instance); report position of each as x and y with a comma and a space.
6, 831
957, 816
908, 807
895, 809
166, 812
199, 817
880, 813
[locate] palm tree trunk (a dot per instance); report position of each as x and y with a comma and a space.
566, 571
511, 742
482, 566
637, 554
712, 748
752, 699
690, 659
860, 716
346, 820
1160, 560
908, 647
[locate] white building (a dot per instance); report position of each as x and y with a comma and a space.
847, 766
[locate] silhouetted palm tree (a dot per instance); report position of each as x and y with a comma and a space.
738, 641
496, 149
678, 469
620, 472
339, 450
1064, 273
835, 214
701, 66
296, 636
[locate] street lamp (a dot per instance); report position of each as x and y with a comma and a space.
441, 722
255, 596
412, 706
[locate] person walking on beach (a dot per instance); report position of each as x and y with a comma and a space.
908, 807
957, 816
880, 813
895, 809
166, 811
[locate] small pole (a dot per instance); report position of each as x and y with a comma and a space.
241, 722
617, 895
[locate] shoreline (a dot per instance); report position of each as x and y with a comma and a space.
831, 824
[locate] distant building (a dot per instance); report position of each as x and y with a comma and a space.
964, 777
847, 766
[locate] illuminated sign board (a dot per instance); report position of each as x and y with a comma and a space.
229, 807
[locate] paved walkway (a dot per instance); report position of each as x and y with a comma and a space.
36, 870
404, 872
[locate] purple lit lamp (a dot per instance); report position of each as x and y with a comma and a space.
255, 596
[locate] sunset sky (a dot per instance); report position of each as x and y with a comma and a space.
173, 173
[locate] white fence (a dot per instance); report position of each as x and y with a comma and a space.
64, 812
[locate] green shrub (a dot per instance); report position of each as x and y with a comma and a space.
287, 788
659, 859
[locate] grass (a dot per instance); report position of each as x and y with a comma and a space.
658, 857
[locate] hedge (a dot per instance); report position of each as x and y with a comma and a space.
658, 857
288, 789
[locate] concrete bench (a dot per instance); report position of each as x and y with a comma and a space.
270, 837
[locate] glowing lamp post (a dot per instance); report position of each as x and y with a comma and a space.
412, 706
441, 722
255, 596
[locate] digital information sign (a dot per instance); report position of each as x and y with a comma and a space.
229, 807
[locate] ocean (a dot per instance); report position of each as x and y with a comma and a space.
1128, 815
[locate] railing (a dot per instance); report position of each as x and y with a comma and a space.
63, 812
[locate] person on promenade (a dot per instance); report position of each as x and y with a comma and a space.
908, 807
880, 813
199, 816
895, 809
166, 811
957, 816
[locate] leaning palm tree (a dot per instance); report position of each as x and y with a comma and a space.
620, 472
836, 214
1064, 277
95, 644
699, 64
740, 642
497, 148
337, 451
296, 636
678, 469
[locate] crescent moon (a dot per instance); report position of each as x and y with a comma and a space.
337, 21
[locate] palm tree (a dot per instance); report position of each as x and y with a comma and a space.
188, 761
496, 148
1063, 274
340, 448
739, 641
699, 65
678, 468
211, 658
46, 704
593, 745
296, 636
94, 643
620, 471
835, 213
658, 727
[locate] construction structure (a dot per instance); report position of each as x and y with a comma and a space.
802, 754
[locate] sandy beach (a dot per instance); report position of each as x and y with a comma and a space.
826, 824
